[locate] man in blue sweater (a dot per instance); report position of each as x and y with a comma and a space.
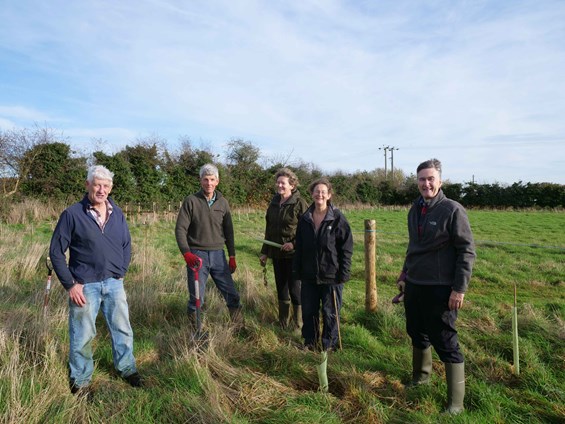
97, 236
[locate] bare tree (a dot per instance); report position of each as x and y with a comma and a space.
14, 163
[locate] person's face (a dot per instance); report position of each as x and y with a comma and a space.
429, 183
321, 196
284, 188
98, 190
208, 184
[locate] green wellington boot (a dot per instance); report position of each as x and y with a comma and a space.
284, 313
297, 317
455, 377
421, 366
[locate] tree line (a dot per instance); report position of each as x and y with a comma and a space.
39, 163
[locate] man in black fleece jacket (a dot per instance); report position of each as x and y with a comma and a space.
434, 279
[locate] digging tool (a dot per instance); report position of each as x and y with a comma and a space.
48, 286
198, 335
265, 282
337, 317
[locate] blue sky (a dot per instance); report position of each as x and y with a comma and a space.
477, 84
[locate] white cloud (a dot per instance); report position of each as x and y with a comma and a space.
23, 113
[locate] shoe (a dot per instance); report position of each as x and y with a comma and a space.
134, 380
82, 392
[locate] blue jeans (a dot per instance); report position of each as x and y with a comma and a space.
214, 264
109, 295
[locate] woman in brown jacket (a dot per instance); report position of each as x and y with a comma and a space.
282, 217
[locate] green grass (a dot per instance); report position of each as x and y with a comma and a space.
262, 377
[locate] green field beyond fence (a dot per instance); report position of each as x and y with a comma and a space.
262, 376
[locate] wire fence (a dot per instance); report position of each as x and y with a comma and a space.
138, 213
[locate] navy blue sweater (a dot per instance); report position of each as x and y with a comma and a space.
95, 254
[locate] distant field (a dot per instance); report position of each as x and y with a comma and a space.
262, 377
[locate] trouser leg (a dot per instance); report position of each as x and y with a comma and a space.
310, 314
116, 312
82, 330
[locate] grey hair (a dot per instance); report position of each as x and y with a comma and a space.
430, 163
209, 169
99, 172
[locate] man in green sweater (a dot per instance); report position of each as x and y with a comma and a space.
204, 225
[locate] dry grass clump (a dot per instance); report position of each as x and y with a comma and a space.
29, 211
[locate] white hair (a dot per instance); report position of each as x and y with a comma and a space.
99, 172
209, 169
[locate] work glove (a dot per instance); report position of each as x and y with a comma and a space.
232, 264
192, 260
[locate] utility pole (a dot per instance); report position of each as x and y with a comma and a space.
392, 149
385, 148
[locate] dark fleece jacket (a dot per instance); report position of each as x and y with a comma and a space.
445, 252
323, 257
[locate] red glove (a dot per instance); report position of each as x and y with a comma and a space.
192, 260
232, 264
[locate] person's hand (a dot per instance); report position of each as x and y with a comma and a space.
401, 285
76, 295
263, 260
455, 300
193, 261
401, 282
232, 264
287, 247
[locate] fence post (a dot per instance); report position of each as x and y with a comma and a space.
370, 266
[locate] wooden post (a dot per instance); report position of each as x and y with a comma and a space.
370, 265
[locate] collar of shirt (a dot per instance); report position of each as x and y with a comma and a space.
212, 200
97, 216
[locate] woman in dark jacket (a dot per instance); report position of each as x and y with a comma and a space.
324, 246
282, 217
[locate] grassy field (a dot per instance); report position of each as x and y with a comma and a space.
262, 377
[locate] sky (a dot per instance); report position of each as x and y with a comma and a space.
478, 84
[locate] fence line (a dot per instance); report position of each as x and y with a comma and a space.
137, 214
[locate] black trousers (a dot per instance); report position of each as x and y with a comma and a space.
430, 322
287, 287
312, 296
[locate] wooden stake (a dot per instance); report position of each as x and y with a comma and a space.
370, 265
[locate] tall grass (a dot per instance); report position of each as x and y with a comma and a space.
261, 376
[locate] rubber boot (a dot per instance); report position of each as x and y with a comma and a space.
421, 366
297, 316
455, 377
284, 313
